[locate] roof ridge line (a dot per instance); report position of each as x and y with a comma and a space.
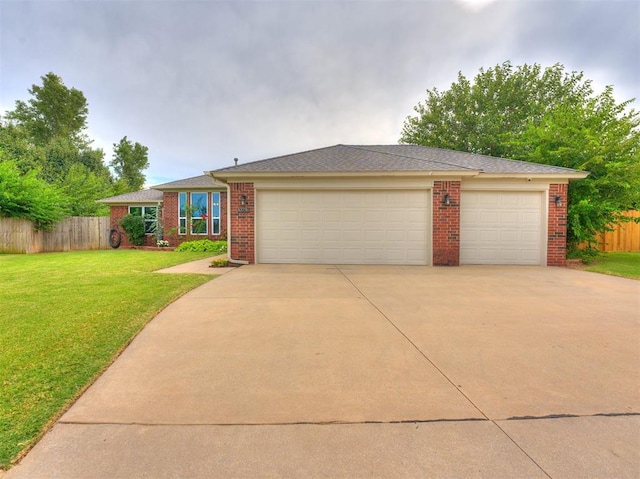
276, 157
360, 147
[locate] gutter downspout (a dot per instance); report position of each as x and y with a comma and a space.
229, 253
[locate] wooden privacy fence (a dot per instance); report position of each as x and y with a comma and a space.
624, 237
70, 234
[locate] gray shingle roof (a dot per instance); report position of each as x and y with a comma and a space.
142, 196
382, 158
202, 181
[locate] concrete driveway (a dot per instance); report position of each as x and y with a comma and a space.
369, 371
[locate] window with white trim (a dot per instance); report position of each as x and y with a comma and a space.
199, 213
193, 213
150, 215
182, 213
215, 213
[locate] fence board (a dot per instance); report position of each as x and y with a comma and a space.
625, 237
70, 234
19, 236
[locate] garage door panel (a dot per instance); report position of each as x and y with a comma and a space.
290, 235
511, 218
510, 236
531, 217
307, 216
530, 237
395, 236
416, 237
489, 217
509, 255
488, 237
351, 216
353, 235
501, 227
349, 227
307, 235
530, 202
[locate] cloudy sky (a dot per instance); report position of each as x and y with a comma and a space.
203, 82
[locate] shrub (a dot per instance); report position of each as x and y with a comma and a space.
26, 196
586, 255
133, 225
204, 246
220, 263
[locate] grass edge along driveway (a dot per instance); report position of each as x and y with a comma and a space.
626, 265
64, 317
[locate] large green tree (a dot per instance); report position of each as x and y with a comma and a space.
129, 161
27, 196
543, 115
47, 134
16, 146
54, 111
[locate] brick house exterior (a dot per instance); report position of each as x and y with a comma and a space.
446, 223
165, 198
557, 225
528, 193
382, 204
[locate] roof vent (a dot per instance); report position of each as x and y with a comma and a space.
235, 160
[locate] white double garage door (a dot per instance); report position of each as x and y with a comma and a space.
394, 227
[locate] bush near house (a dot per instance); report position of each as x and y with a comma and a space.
203, 246
133, 225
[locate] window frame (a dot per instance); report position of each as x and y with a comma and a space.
215, 213
182, 212
145, 216
202, 218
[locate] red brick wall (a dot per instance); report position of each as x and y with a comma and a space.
118, 212
557, 226
170, 218
242, 240
223, 216
446, 224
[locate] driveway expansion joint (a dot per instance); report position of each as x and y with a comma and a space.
457, 388
415, 346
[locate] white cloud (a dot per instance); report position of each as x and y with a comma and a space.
475, 5
200, 83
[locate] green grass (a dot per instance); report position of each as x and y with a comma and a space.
617, 264
63, 318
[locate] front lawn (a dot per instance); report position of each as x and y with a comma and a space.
63, 318
617, 264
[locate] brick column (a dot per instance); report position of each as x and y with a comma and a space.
170, 217
117, 212
223, 216
446, 223
242, 234
557, 226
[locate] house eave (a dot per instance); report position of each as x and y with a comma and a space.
131, 202
220, 187
244, 175
247, 175
578, 175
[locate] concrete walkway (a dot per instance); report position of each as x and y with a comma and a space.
201, 266
368, 371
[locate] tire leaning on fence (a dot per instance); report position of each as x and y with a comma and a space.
115, 238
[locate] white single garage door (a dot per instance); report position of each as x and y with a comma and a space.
501, 227
342, 227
